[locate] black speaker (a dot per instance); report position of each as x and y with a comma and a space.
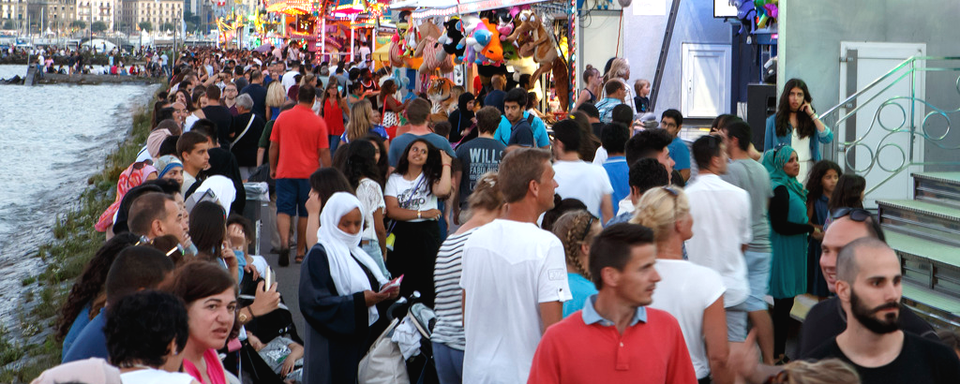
761, 103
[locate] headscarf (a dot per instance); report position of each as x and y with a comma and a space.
133, 176
164, 129
343, 250
166, 163
222, 187
466, 114
773, 161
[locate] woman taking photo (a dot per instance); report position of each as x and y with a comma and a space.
691, 293
412, 195
486, 204
210, 296
361, 170
788, 239
339, 290
797, 125
576, 231
332, 108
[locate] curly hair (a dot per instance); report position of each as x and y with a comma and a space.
360, 163
90, 284
432, 168
574, 229
140, 326
384, 163
815, 180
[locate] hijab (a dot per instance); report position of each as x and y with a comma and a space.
463, 121
774, 160
344, 252
132, 177
167, 163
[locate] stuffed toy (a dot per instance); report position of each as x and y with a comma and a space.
434, 57
505, 27
451, 38
477, 38
541, 47
492, 51
439, 95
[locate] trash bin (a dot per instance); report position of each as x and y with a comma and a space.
259, 213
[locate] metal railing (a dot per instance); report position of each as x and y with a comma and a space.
910, 106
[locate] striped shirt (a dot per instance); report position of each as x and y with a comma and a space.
448, 304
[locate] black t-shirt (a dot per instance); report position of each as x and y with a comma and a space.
827, 319
921, 361
478, 156
495, 99
246, 147
259, 95
221, 116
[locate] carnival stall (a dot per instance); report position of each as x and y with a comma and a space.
464, 43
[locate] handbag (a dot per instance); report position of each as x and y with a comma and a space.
390, 118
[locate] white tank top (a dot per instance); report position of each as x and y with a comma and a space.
804, 155
155, 376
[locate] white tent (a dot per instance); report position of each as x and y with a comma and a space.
99, 45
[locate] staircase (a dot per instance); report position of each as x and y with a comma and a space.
925, 232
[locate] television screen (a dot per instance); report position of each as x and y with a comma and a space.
725, 8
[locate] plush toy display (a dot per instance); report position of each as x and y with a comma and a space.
434, 57
451, 38
541, 45
492, 51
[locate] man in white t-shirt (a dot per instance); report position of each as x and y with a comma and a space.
722, 227
576, 178
289, 79
514, 276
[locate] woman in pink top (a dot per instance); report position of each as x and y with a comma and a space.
333, 108
210, 296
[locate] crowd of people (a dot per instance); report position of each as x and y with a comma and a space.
605, 249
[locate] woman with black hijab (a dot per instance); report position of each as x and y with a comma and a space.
462, 120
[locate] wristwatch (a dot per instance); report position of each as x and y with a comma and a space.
242, 317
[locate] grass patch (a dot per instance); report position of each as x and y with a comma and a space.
75, 242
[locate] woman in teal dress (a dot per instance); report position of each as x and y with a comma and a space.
788, 219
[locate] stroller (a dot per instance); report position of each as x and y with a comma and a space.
385, 362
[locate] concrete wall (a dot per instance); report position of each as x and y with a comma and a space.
811, 32
643, 37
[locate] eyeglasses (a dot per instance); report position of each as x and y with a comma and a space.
145, 241
856, 214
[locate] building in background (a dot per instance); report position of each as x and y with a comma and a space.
15, 10
156, 12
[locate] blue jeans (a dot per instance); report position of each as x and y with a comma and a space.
449, 363
334, 143
758, 275
372, 248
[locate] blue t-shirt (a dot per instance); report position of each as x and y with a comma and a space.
619, 174
495, 99
83, 318
399, 144
504, 131
91, 342
581, 289
521, 134
378, 129
680, 154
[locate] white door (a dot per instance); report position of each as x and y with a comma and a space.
882, 126
705, 70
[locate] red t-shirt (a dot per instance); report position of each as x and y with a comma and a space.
333, 116
652, 352
300, 133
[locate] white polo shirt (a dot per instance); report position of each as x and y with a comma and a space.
721, 224
509, 268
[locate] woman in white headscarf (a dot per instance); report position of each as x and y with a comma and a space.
339, 290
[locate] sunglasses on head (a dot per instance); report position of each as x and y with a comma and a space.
778, 148
856, 214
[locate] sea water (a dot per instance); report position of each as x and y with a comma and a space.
53, 138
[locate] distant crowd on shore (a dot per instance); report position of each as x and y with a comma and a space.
600, 249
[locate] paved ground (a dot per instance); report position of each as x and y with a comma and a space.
288, 283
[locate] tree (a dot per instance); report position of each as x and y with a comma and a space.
146, 26
167, 27
98, 26
9, 24
78, 24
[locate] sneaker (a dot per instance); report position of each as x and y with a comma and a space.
284, 257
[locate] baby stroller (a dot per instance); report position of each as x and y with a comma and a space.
411, 323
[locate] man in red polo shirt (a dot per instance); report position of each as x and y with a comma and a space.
615, 338
298, 146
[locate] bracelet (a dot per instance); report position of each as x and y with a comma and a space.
447, 165
419, 215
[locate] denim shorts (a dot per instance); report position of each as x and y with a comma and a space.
758, 276
292, 196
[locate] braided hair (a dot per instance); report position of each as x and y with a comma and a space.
573, 229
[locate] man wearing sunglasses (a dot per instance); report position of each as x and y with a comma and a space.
827, 319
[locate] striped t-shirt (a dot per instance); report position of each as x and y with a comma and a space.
448, 304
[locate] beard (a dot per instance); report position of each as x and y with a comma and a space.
867, 316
